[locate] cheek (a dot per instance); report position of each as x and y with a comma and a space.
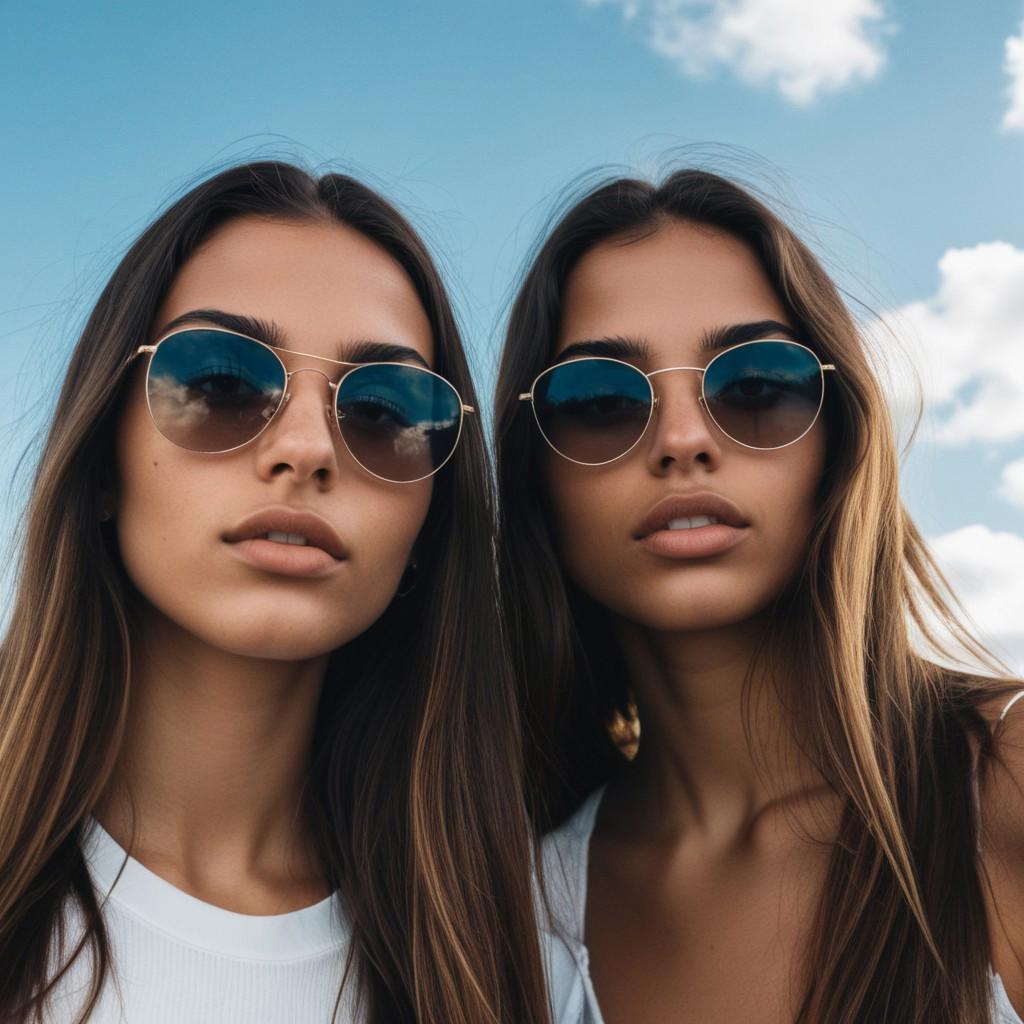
385, 524
794, 484
166, 517
589, 520
156, 508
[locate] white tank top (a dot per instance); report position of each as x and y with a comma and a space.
564, 853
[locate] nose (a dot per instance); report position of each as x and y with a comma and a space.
681, 433
301, 438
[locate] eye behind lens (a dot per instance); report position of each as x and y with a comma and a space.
213, 390
399, 422
764, 394
592, 410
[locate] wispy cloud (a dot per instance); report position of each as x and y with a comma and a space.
967, 341
1013, 119
986, 570
1011, 486
803, 48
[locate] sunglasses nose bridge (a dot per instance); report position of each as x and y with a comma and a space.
656, 404
308, 369
671, 369
332, 388
660, 408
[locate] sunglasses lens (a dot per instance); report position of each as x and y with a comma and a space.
211, 391
399, 422
592, 410
766, 394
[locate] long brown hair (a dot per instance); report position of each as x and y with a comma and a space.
900, 933
414, 792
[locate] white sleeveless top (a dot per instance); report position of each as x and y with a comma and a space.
177, 959
573, 1001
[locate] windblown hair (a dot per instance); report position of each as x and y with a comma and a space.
900, 933
414, 794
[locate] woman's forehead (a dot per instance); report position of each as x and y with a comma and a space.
669, 287
320, 282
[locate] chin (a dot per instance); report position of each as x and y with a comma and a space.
280, 641
288, 630
281, 645
692, 621
688, 610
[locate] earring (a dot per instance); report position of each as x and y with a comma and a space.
409, 575
106, 503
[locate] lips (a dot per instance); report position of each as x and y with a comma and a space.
281, 519
685, 506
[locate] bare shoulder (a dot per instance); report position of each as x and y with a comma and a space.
1001, 799
1001, 790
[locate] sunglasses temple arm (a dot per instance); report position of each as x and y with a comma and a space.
141, 350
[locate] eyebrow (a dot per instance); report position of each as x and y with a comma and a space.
711, 340
362, 350
612, 348
715, 338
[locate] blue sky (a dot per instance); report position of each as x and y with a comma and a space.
473, 115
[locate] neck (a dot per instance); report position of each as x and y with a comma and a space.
717, 747
215, 757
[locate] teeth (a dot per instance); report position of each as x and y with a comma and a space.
691, 522
285, 538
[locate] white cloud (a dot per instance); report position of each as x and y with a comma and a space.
803, 48
986, 570
1013, 119
1011, 485
967, 342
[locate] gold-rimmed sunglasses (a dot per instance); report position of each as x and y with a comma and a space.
764, 394
212, 391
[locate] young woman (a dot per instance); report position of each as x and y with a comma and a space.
250, 767
705, 561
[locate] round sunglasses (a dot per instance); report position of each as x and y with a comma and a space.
763, 394
212, 390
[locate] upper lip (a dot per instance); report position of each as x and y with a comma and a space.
283, 519
697, 503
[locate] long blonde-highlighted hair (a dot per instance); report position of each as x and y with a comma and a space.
900, 933
413, 792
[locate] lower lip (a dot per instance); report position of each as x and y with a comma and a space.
285, 559
696, 542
